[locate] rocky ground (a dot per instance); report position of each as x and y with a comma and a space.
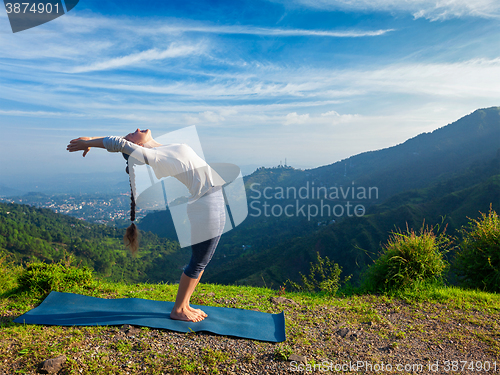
357, 335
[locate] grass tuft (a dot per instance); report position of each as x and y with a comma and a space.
408, 260
478, 260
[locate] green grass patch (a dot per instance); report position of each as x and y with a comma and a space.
478, 260
408, 259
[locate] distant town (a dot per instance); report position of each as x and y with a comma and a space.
111, 210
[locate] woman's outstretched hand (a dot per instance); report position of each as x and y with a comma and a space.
79, 144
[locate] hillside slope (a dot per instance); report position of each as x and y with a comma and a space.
35, 234
354, 242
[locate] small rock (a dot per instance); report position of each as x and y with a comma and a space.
129, 330
297, 358
387, 348
52, 365
278, 300
343, 332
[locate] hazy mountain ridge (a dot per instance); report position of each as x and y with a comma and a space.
424, 158
457, 176
355, 242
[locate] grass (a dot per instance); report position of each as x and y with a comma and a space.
451, 314
408, 258
478, 260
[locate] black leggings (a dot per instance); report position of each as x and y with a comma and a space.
207, 216
202, 254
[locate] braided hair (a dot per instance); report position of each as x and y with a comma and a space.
131, 237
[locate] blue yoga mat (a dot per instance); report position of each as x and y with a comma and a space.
69, 309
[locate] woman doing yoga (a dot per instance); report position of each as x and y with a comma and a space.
205, 208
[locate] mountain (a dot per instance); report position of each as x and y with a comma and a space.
442, 178
355, 242
449, 172
6, 191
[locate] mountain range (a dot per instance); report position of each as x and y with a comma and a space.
345, 210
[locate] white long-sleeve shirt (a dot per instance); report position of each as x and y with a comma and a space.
176, 160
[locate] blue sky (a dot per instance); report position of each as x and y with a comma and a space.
312, 81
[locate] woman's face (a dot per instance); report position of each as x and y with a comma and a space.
139, 137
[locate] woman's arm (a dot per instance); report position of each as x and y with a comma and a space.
119, 144
112, 144
84, 144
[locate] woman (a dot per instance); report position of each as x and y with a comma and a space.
206, 208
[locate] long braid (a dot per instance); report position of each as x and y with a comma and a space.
131, 237
132, 201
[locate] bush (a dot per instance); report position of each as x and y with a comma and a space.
408, 260
478, 260
42, 277
324, 276
9, 272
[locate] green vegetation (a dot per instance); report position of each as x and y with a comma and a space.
468, 317
408, 259
453, 172
478, 260
42, 277
353, 242
29, 234
283, 352
324, 276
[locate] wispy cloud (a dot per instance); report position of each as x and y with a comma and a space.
433, 10
249, 30
280, 90
136, 58
292, 90
39, 114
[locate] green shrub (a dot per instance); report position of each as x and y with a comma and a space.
478, 259
324, 276
42, 277
9, 272
409, 259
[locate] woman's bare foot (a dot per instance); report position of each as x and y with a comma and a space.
186, 314
198, 311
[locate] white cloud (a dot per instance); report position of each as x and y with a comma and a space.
38, 114
330, 113
472, 78
431, 9
216, 116
211, 116
252, 30
334, 118
134, 59
294, 118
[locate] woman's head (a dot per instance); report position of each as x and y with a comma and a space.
139, 137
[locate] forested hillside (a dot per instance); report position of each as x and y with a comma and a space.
355, 242
29, 234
